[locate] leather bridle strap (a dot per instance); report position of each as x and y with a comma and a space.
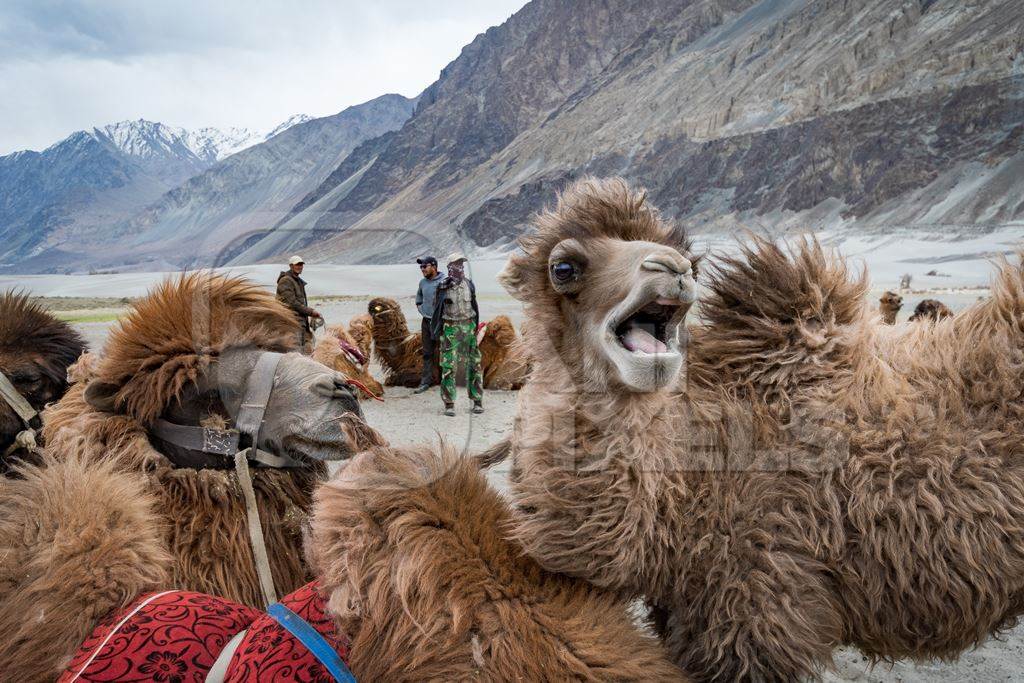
27, 437
216, 442
203, 439
14, 399
249, 421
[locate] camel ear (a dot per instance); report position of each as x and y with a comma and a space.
101, 395
513, 276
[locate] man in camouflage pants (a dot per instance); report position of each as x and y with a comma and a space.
456, 317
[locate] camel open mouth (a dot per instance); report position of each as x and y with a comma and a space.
651, 329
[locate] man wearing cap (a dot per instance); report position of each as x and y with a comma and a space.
454, 321
425, 297
291, 291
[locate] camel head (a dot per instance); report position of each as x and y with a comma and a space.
312, 413
388, 319
187, 352
890, 304
35, 351
931, 310
501, 332
607, 284
360, 328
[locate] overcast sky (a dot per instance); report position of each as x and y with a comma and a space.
66, 66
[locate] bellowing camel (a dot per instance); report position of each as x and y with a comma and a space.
35, 351
340, 352
503, 357
931, 310
818, 480
186, 355
889, 305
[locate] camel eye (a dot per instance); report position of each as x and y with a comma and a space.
563, 271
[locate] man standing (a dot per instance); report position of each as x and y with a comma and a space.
425, 297
291, 291
455, 319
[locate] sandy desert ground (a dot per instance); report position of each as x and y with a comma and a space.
342, 291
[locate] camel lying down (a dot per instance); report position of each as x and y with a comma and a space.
413, 569
183, 358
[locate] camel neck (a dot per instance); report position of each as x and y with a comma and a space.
603, 409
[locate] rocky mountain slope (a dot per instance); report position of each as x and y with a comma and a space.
778, 114
75, 189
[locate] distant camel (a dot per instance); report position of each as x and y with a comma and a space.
890, 305
338, 350
397, 349
360, 328
503, 356
932, 310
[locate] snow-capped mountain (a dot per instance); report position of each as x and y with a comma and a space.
95, 178
149, 139
293, 120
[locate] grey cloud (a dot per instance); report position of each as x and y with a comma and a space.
69, 65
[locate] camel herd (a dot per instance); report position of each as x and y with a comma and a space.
932, 310
783, 476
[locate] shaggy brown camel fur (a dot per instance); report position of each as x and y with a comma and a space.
889, 305
819, 480
387, 534
35, 351
79, 539
503, 357
397, 349
360, 328
184, 354
411, 551
932, 310
340, 352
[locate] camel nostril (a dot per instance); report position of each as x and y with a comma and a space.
677, 265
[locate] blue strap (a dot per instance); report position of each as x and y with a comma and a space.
313, 641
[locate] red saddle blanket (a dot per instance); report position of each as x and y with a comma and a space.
176, 636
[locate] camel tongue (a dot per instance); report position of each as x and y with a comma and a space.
639, 339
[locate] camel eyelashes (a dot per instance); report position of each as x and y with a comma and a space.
566, 276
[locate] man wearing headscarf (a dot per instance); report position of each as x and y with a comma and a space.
455, 319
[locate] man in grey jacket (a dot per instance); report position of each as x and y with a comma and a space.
425, 303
